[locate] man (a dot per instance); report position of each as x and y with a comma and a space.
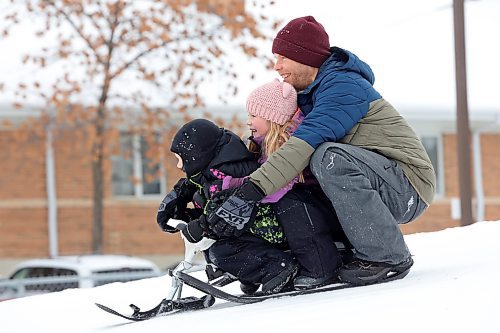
367, 159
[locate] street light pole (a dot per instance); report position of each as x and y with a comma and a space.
463, 131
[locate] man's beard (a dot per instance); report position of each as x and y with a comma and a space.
301, 82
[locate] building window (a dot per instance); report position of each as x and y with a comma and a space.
151, 183
133, 173
432, 145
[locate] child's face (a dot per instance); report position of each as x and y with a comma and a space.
180, 164
258, 126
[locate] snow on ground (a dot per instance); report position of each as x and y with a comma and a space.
452, 287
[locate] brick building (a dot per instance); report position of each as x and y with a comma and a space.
414, 70
130, 207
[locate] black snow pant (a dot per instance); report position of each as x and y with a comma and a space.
311, 229
250, 258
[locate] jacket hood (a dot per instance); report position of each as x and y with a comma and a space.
342, 60
230, 149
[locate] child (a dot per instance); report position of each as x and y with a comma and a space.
208, 154
307, 220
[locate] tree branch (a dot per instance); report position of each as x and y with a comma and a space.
151, 49
77, 30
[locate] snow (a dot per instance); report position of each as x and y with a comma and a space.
451, 288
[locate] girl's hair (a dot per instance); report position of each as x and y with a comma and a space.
275, 138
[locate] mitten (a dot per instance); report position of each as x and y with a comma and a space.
236, 213
174, 204
192, 231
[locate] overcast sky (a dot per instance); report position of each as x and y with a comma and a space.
408, 44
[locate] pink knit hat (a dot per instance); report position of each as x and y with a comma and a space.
275, 101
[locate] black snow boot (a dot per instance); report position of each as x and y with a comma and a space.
283, 281
307, 282
362, 272
249, 288
347, 255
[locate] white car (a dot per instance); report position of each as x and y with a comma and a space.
47, 275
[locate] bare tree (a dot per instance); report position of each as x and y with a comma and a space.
139, 64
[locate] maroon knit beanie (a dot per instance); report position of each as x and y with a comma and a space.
303, 40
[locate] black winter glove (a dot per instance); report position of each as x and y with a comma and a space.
174, 204
193, 231
236, 213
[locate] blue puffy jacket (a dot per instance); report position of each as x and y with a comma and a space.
341, 95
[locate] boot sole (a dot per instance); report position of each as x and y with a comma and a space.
383, 276
332, 280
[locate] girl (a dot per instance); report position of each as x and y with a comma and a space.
208, 155
305, 215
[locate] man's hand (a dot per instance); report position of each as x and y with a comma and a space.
174, 204
236, 213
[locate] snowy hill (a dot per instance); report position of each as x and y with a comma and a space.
453, 287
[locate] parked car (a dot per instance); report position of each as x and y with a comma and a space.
48, 275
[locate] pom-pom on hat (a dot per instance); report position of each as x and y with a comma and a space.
303, 40
275, 101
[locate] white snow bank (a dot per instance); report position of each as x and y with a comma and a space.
451, 288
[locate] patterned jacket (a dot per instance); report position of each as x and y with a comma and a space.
233, 160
